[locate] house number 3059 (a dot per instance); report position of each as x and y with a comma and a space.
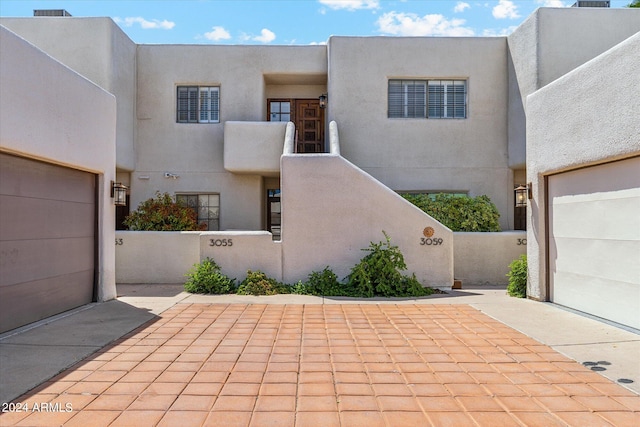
430, 242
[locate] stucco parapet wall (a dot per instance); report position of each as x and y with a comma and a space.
587, 141
254, 147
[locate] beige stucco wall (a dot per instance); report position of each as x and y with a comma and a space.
550, 43
195, 152
337, 209
155, 256
238, 251
484, 258
254, 147
100, 51
461, 155
50, 113
563, 134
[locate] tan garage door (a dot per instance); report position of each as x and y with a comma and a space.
47, 240
594, 240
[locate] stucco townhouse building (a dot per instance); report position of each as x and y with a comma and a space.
311, 145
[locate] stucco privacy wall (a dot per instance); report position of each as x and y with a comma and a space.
155, 256
331, 210
484, 258
195, 151
435, 155
67, 121
100, 51
550, 43
165, 257
564, 135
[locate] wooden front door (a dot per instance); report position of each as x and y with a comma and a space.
308, 117
309, 122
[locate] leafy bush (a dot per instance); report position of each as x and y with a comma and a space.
517, 275
321, 283
459, 213
162, 213
257, 283
206, 278
378, 274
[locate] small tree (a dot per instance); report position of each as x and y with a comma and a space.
634, 3
162, 213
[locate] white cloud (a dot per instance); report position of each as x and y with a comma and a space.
217, 33
461, 6
553, 3
266, 36
144, 24
410, 24
351, 4
505, 9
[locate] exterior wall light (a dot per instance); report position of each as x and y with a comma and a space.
119, 193
323, 100
523, 193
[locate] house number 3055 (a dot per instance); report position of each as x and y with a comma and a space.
220, 242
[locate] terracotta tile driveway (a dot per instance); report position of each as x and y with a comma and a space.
328, 365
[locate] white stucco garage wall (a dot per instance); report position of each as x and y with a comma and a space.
50, 113
100, 51
563, 134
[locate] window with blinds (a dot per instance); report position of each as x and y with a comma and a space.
434, 99
198, 104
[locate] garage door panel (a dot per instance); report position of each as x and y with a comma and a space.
614, 300
597, 258
47, 239
604, 218
28, 178
44, 218
45, 298
29, 260
594, 240
620, 175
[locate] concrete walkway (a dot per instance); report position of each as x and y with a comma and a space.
471, 357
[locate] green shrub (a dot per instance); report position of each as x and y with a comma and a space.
517, 275
206, 278
459, 213
321, 283
379, 274
162, 213
258, 283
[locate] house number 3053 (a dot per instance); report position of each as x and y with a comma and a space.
119, 242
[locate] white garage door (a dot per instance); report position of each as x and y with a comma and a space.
47, 240
594, 240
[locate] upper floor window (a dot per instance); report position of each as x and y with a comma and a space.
198, 104
420, 99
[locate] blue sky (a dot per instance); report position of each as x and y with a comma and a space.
299, 22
